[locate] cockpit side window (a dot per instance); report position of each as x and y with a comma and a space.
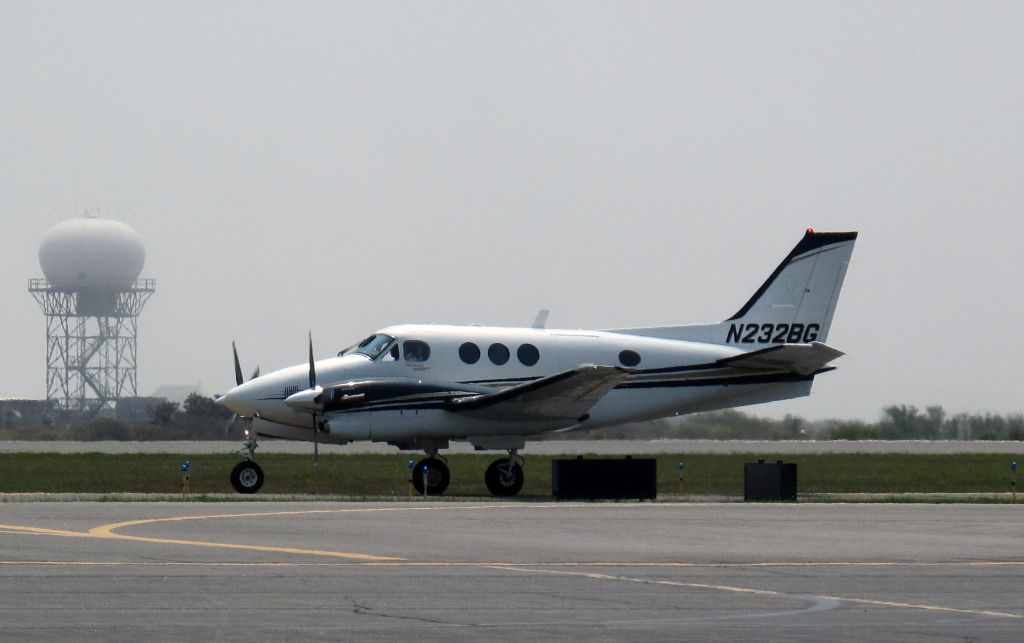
416, 350
390, 355
373, 345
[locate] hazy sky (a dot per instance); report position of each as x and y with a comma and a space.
338, 167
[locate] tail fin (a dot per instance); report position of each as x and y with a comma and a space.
793, 306
796, 303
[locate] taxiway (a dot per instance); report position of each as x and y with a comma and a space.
438, 570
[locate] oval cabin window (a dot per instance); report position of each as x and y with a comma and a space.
498, 353
469, 353
629, 358
528, 354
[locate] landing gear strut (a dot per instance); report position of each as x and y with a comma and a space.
433, 471
247, 476
504, 477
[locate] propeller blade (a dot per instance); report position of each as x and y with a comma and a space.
238, 367
255, 373
312, 385
316, 443
312, 368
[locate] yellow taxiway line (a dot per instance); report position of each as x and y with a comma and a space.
108, 532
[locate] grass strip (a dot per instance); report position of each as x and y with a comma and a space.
386, 475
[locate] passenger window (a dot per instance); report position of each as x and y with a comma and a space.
469, 353
629, 358
498, 353
416, 351
528, 354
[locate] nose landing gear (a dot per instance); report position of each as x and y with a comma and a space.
247, 476
504, 477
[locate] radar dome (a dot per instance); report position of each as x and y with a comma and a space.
91, 254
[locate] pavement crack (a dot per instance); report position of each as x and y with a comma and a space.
366, 610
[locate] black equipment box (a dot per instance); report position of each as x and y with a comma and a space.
610, 479
769, 481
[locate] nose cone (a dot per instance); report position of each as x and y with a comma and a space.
239, 399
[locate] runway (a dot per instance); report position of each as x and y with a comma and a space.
438, 570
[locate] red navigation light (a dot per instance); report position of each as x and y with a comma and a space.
810, 230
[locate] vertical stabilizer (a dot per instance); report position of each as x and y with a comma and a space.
794, 305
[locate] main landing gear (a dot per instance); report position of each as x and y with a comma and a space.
504, 477
431, 473
247, 476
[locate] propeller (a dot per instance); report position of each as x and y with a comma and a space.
229, 426
312, 386
309, 400
238, 366
312, 366
239, 381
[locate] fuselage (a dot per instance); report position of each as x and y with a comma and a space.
393, 387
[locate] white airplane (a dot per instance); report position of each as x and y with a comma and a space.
423, 386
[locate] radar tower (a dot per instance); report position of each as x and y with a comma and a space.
91, 296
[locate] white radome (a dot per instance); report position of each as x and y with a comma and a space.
90, 253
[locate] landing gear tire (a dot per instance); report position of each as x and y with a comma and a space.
437, 476
247, 477
504, 477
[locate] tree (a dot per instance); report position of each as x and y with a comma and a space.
200, 406
907, 423
163, 412
853, 430
102, 428
795, 427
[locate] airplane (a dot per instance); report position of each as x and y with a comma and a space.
421, 387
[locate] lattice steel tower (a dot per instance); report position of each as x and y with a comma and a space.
92, 297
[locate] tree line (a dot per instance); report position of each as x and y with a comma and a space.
897, 422
199, 418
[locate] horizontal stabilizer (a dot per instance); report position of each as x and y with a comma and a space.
562, 397
803, 359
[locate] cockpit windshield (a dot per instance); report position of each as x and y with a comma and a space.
373, 345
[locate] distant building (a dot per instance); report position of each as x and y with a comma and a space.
26, 413
136, 410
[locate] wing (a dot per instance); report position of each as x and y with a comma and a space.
803, 359
562, 397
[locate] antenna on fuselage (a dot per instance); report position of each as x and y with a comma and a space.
541, 320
